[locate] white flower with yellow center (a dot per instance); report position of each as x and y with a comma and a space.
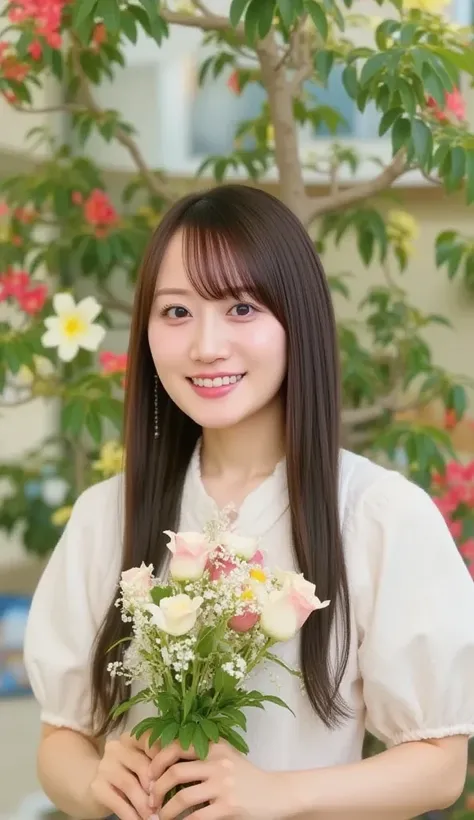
73, 326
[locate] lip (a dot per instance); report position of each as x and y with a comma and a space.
215, 392
214, 375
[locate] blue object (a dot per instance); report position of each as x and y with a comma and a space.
13, 616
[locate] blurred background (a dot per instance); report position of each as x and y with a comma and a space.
108, 112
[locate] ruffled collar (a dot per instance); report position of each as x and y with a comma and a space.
257, 514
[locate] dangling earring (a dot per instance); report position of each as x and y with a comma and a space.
155, 402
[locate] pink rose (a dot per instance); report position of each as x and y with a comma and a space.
137, 581
190, 552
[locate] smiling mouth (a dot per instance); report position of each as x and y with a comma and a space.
219, 381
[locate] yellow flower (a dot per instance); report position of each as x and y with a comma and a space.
270, 134
402, 230
152, 217
258, 575
431, 6
247, 595
111, 459
61, 516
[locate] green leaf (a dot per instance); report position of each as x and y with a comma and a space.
349, 81
185, 736
266, 17
285, 7
169, 733
323, 63
109, 10
72, 417
236, 716
128, 26
94, 425
158, 593
400, 133
223, 682
365, 244
144, 726
237, 9
235, 740
455, 260
470, 176
200, 742
83, 11
277, 701
372, 67
210, 728
407, 96
458, 165
422, 142
388, 119
319, 18
458, 400
251, 24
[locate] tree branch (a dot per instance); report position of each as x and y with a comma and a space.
280, 101
206, 21
317, 206
156, 183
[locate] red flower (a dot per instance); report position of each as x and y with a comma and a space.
99, 34
233, 83
13, 69
14, 283
25, 215
454, 104
112, 362
4, 209
99, 211
10, 97
77, 198
450, 419
44, 15
33, 300
35, 50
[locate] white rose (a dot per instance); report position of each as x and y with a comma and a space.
278, 618
239, 545
137, 581
175, 615
287, 609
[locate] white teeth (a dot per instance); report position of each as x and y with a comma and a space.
217, 382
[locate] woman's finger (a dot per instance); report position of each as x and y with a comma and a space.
109, 797
167, 757
137, 761
176, 775
127, 783
186, 799
142, 743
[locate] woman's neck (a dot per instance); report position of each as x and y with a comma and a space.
237, 459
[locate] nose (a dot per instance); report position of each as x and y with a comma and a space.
209, 342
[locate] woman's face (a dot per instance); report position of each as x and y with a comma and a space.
220, 361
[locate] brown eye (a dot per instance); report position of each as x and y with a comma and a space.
175, 312
243, 310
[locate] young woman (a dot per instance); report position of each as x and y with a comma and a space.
233, 396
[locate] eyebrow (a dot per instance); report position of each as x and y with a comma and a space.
172, 292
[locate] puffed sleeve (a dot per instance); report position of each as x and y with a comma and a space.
68, 606
414, 607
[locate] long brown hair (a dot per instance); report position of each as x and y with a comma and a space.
240, 238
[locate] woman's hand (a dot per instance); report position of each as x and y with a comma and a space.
122, 781
232, 786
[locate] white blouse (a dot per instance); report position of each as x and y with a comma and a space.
410, 673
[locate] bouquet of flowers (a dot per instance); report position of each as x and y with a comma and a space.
196, 637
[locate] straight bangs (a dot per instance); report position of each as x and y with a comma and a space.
222, 263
